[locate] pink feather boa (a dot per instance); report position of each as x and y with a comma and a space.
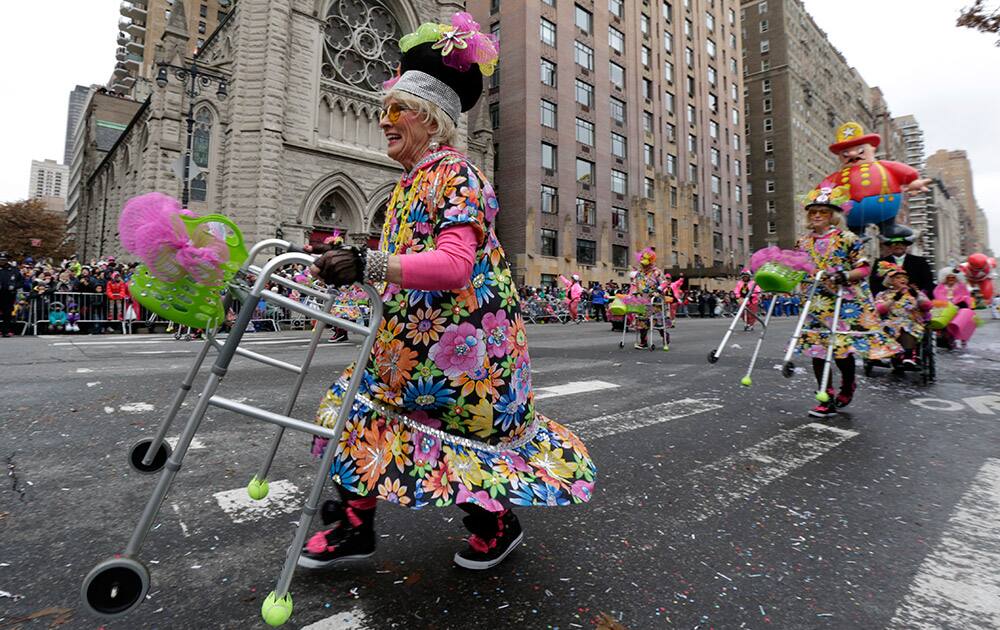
792, 258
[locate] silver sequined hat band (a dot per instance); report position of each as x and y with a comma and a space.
431, 89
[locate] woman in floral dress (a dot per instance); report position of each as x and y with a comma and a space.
838, 253
647, 281
903, 309
446, 414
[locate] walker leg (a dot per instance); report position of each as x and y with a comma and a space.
714, 355
745, 381
258, 486
787, 367
821, 395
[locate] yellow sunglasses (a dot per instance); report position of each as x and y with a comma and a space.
392, 112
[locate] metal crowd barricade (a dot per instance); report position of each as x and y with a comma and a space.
93, 309
119, 584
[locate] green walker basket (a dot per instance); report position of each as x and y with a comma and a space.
636, 308
774, 278
185, 302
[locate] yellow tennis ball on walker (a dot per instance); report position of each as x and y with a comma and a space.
746, 381
823, 397
276, 611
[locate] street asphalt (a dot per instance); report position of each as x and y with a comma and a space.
716, 505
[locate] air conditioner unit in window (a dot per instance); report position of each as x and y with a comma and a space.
585, 149
586, 186
549, 171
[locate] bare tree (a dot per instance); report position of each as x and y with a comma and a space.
985, 20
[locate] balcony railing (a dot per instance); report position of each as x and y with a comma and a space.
123, 39
136, 29
134, 10
136, 47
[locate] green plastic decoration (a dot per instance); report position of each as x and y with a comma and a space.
427, 32
775, 278
184, 301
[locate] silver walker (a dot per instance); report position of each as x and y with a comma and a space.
658, 321
119, 584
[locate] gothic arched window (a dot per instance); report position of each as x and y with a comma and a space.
201, 146
361, 43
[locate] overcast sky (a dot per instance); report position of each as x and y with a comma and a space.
926, 66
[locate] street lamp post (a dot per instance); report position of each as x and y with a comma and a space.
193, 77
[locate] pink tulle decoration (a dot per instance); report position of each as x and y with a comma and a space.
793, 259
150, 227
480, 48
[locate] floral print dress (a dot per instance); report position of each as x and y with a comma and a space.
859, 328
645, 284
446, 413
904, 314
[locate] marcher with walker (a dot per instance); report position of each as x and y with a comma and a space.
646, 302
445, 412
746, 287
953, 317
841, 321
904, 312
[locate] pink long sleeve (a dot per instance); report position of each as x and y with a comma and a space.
448, 267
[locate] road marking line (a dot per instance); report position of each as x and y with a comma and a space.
195, 445
139, 407
282, 498
354, 619
744, 474
958, 585
575, 387
639, 418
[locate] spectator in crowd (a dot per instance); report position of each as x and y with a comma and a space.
10, 282
599, 300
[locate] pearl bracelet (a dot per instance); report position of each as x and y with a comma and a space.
376, 266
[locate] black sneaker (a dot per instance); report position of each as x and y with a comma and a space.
351, 538
493, 537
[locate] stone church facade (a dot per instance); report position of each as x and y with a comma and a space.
294, 149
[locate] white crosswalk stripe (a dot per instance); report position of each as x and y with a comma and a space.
639, 418
284, 497
958, 584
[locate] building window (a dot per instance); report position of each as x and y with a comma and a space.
583, 55
550, 199
494, 7
548, 114
736, 141
772, 206
690, 85
737, 168
584, 171
688, 28
619, 256
691, 114
647, 122
548, 32
583, 19
548, 156
495, 115
585, 132
671, 165
762, 7
715, 156
203, 10
644, 24
619, 219
668, 42
619, 182
671, 132
692, 172
716, 186
617, 74
586, 212
763, 26
201, 27
717, 241
765, 65
617, 110
584, 93
769, 186
616, 39
548, 72
668, 102
738, 193
709, 22
673, 198
647, 89
650, 223
768, 124
772, 227
668, 72
710, 48
617, 8
769, 165
735, 116
692, 143
765, 45
645, 55
712, 76
201, 147
713, 103
668, 11
648, 155
551, 3
767, 105
619, 146
586, 252
766, 86
768, 145
713, 130
689, 57
648, 188
550, 242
